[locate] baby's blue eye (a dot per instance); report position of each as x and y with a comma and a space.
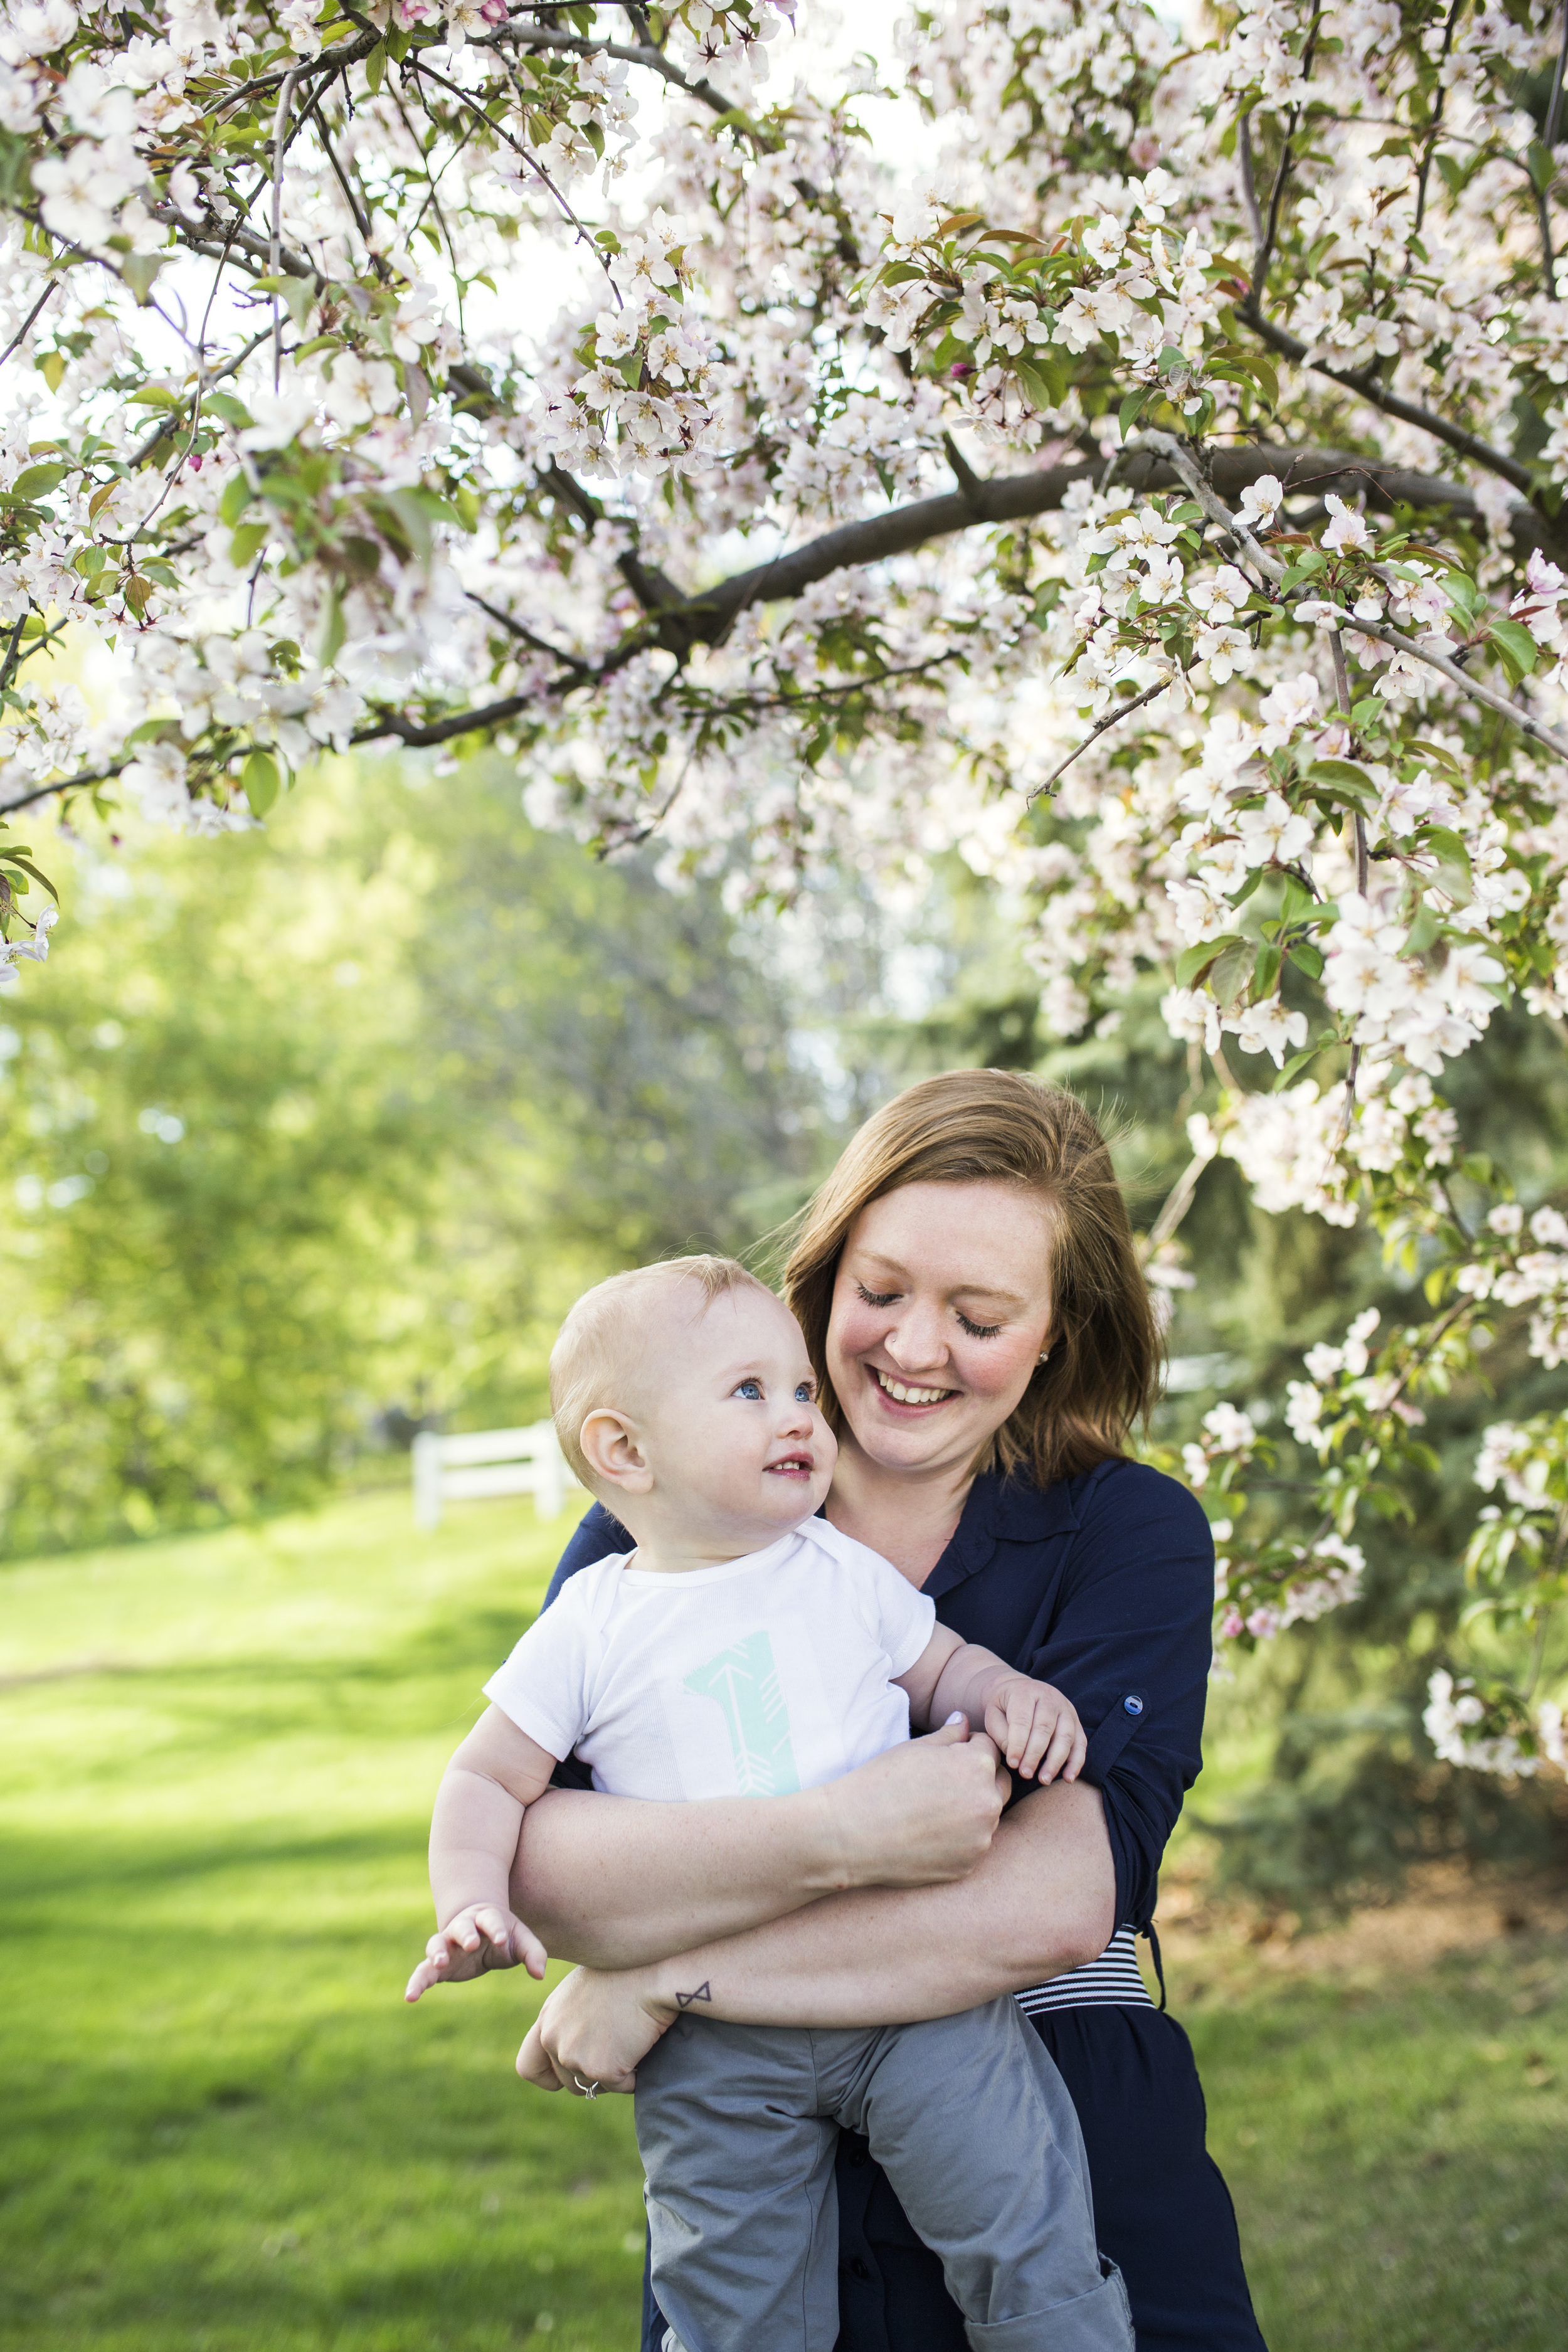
751, 1390
803, 1392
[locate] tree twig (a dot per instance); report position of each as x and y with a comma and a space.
25, 328
1178, 1201
1248, 187
275, 250
1112, 719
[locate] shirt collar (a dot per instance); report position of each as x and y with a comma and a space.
997, 1511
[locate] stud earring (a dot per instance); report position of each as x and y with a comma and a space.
1044, 1356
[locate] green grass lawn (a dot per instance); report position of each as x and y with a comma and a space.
223, 2129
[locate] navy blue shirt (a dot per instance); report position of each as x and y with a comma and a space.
1102, 1585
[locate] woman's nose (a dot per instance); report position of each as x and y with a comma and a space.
916, 1342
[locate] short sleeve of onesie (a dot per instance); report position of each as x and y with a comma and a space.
901, 1618
545, 1687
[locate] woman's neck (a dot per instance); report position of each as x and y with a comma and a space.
909, 1516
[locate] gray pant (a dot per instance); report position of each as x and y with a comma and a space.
738, 2125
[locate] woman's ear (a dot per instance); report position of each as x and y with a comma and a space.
610, 1447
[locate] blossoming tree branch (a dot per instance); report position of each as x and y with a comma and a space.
1142, 473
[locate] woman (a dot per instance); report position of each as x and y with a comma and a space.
972, 1299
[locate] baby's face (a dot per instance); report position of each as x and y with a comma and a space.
732, 1430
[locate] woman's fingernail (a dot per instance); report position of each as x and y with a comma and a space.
956, 1717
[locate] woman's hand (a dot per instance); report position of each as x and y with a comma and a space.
921, 1814
593, 2030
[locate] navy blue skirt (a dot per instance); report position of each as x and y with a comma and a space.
1162, 2210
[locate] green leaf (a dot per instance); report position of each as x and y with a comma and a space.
247, 544
232, 411
334, 628
1194, 962
1343, 772
300, 293
1306, 958
1133, 407
260, 778
139, 270
38, 481
376, 67
1297, 1062
51, 366
1435, 755
1539, 163
1232, 972
19, 858
1453, 874
411, 512
1518, 648
236, 496
1423, 933
1265, 971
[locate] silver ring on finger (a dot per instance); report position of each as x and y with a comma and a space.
589, 2090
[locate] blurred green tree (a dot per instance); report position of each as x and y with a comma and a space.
326, 1125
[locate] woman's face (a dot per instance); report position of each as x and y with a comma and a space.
941, 1309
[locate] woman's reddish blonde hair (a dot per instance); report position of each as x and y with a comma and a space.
973, 1126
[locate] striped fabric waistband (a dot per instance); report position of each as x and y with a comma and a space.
1112, 1981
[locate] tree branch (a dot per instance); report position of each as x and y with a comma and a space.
1471, 686
1467, 444
526, 636
62, 784
676, 625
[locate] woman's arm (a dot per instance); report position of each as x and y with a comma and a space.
620, 1883
1042, 1900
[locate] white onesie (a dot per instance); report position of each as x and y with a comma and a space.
771, 1674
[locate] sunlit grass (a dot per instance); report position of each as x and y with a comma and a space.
224, 2130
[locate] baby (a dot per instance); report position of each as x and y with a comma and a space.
747, 1647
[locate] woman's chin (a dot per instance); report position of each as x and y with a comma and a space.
908, 1437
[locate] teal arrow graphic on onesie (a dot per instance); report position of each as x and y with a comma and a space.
743, 1681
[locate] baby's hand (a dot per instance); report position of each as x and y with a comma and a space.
477, 1939
1036, 1729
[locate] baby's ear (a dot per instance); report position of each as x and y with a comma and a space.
613, 1452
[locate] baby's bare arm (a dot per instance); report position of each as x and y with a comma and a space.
1034, 1725
496, 1774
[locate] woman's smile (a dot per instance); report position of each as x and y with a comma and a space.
905, 1393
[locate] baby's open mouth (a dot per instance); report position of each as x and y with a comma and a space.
793, 1465
902, 1393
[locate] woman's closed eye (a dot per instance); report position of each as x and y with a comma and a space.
875, 1297
977, 1330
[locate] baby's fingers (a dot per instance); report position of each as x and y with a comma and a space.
495, 1928
1008, 1719
528, 1949
1067, 1747
1043, 1731
429, 1972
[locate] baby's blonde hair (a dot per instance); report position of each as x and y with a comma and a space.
594, 1362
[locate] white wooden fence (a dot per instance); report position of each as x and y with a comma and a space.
483, 1462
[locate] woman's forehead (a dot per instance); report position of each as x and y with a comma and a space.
982, 1236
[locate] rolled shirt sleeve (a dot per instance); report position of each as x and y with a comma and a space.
1131, 1644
